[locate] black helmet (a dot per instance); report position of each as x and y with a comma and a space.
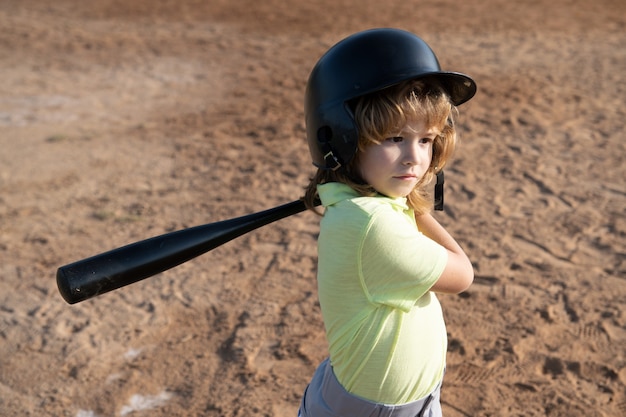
363, 63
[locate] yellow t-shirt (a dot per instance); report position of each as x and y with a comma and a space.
385, 329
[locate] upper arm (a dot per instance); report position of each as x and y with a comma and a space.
398, 263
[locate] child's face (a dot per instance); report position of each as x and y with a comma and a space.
395, 166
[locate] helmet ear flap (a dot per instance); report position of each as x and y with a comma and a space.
332, 135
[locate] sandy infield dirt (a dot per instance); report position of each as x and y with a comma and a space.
125, 119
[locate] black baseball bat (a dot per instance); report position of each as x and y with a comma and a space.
123, 266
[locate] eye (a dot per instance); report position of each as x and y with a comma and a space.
395, 139
427, 140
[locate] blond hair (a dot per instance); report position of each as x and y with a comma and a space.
379, 114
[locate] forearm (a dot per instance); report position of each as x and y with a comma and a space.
430, 227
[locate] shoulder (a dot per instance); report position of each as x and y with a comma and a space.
364, 209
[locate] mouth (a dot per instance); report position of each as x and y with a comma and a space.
407, 177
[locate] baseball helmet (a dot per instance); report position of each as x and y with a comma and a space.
360, 64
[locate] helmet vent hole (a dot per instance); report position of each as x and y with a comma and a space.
324, 134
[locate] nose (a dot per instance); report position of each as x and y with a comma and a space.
412, 153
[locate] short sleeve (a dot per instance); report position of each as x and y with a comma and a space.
399, 263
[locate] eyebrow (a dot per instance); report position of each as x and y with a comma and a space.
431, 132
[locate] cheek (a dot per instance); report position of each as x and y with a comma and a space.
365, 166
428, 152
369, 164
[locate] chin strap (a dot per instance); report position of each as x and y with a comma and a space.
439, 191
330, 160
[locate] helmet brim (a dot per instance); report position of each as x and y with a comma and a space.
460, 87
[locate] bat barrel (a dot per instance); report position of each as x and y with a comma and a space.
119, 267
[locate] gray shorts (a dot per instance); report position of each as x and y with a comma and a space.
326, 397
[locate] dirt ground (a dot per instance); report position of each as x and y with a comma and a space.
121, 120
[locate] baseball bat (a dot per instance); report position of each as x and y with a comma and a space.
123, 266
